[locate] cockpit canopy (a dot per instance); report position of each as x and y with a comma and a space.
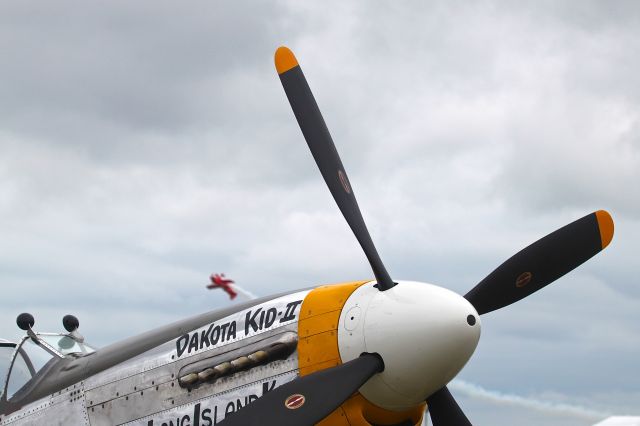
21, 362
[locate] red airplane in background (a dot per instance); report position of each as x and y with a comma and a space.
219, 281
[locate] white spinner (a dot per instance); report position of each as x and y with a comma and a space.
424, 333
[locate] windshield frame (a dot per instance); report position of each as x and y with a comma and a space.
25, 357
85, 348
39, 340
5, 379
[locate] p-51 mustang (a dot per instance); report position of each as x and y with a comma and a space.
359, 353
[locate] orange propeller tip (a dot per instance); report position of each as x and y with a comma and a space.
605, 224
285, 59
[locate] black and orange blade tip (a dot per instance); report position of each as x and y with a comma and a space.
605, 224
285, 59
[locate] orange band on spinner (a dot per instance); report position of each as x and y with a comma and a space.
318, 350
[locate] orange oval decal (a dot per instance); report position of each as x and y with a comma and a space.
294, 401
523, 279
344, 181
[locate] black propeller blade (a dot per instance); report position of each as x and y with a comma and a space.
445, 411
543, 262
309, 399
324, 152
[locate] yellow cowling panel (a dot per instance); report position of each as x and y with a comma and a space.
359, 411
318, 326
318, 350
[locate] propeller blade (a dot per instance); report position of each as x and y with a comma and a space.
324, 152
445, 411
309, 399
543, 262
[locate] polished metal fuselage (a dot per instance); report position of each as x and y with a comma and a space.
145, 388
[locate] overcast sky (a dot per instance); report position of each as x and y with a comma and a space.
145, 145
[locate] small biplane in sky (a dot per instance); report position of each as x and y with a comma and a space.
373, 352
220, 281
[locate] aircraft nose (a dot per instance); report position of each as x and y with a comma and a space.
424, 333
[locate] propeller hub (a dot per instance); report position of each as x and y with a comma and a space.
424, 333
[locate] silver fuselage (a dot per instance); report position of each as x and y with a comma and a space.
137, 381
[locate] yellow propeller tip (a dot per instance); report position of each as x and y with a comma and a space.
605, 224
285, 59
